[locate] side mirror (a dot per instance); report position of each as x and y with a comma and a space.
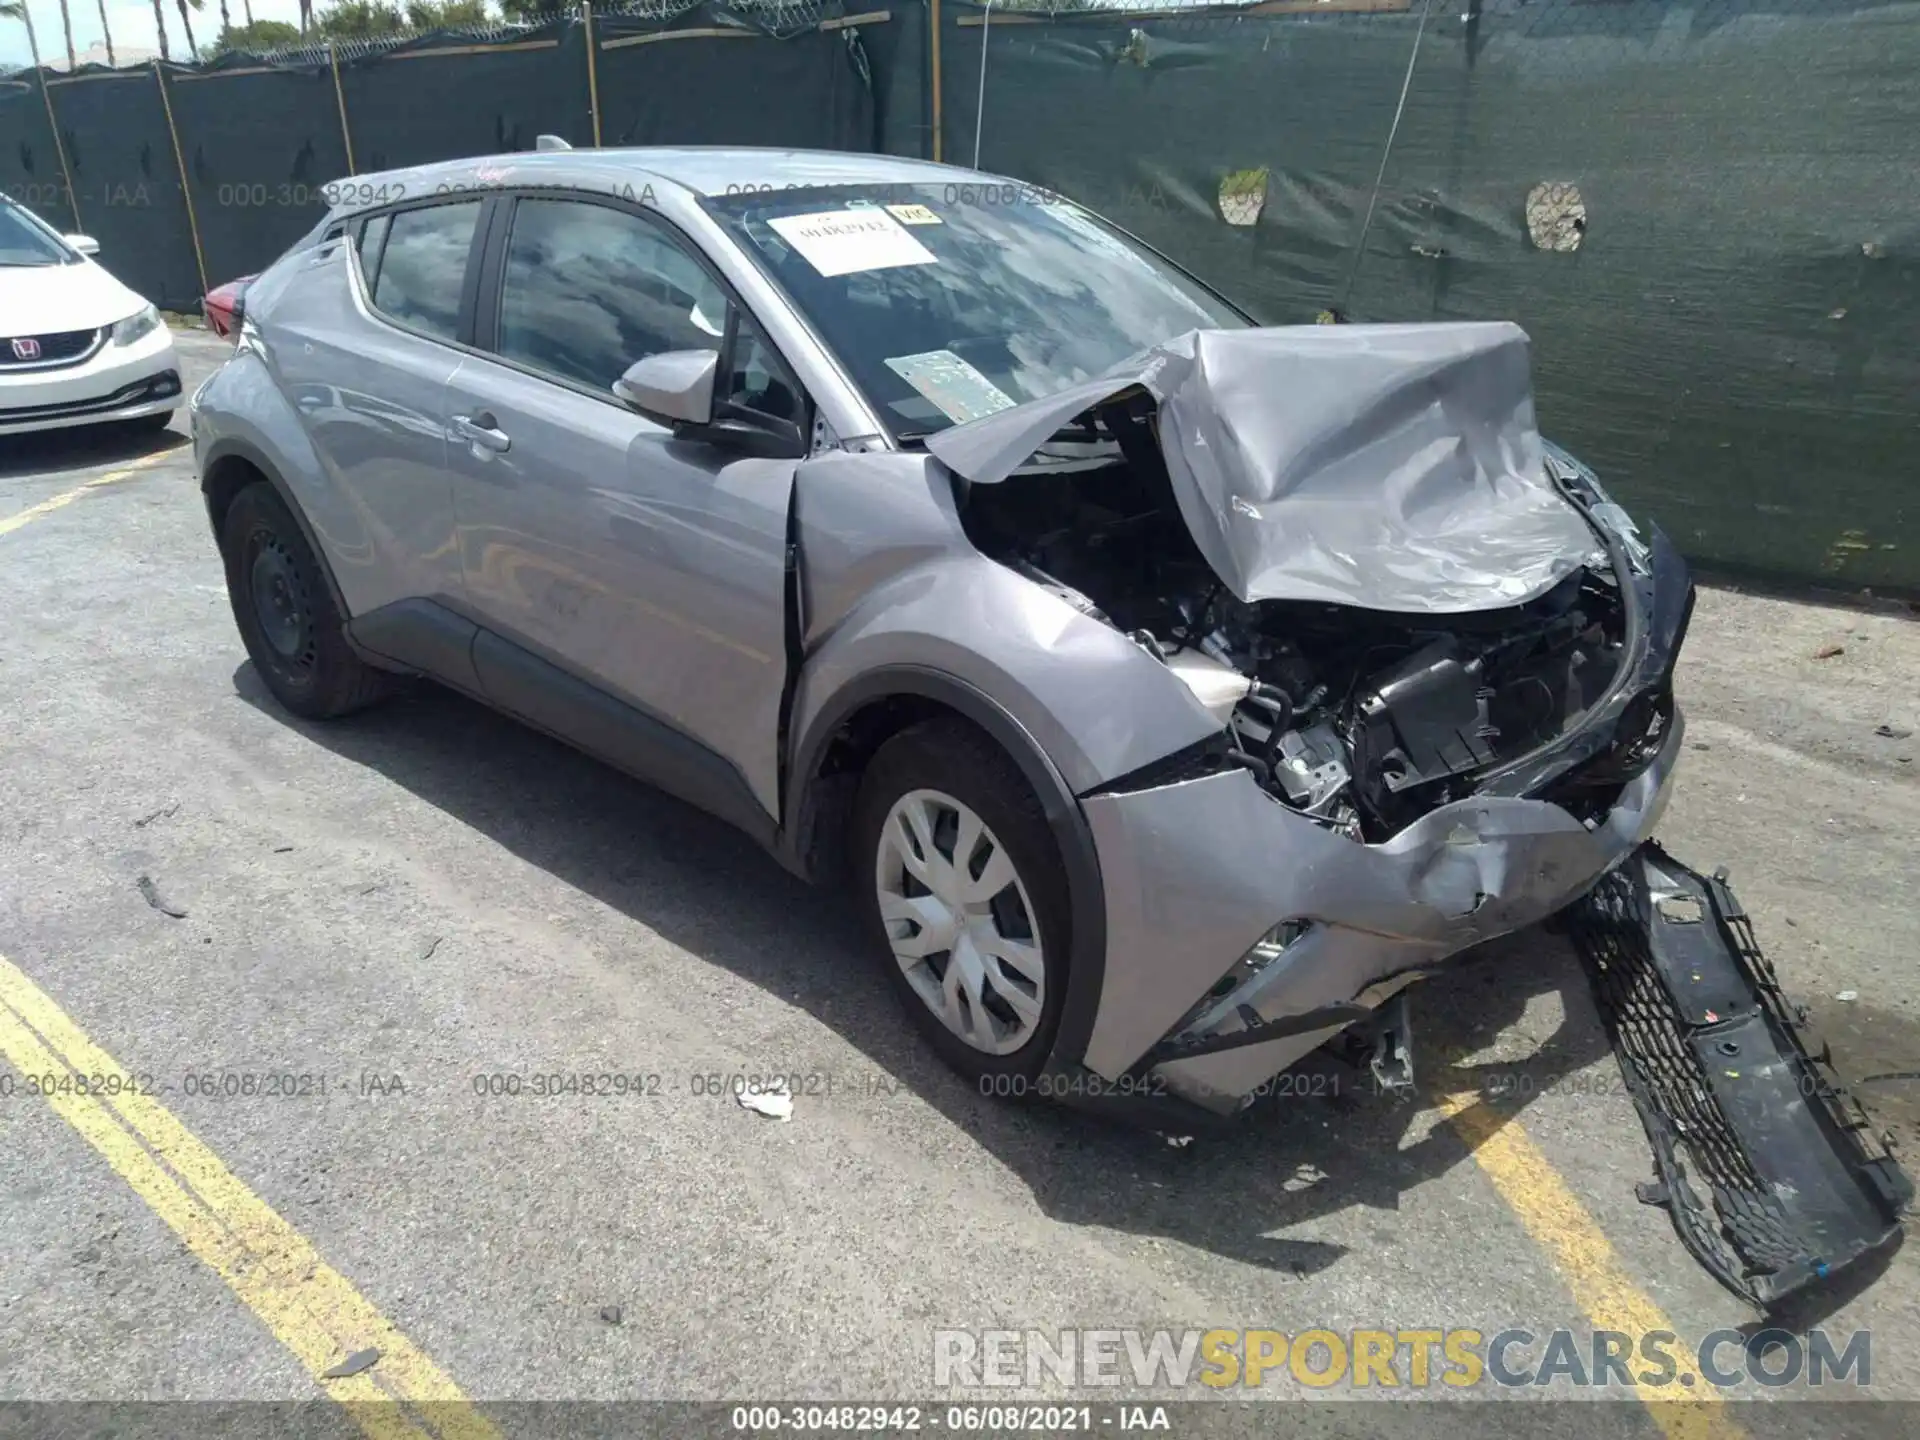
85, 244
673, 388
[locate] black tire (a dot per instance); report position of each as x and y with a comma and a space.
955, 758
300, 649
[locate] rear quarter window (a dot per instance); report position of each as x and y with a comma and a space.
422, 266
370, 242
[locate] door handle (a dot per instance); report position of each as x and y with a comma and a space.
480, 428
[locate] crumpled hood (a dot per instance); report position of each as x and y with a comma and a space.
1392, 467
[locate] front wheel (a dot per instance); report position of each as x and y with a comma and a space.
965, 895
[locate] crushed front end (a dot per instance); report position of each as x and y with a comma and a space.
1268, 890
1439, 657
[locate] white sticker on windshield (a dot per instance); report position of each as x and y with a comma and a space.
844, 242
961, 392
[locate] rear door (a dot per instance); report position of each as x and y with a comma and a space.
649, 567
367, 372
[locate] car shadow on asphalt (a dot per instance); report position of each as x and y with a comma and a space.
83, 447
1335, 1145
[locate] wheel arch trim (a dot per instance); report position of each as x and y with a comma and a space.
233, 447
1073, 837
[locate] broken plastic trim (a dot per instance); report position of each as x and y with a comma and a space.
1768, 1167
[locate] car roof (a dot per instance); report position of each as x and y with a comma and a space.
697, 169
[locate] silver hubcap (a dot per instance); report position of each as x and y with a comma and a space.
959, 921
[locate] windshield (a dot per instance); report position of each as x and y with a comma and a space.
24, 241
947, 302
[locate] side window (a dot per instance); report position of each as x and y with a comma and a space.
423, 265
588, 290
371, 240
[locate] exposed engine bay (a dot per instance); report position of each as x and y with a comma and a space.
1363, 720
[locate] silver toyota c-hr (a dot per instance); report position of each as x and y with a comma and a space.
1171, 692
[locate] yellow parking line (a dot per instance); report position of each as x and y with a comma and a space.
310, 1307
113, 477
1572, 1239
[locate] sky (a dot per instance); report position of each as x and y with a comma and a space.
132, 24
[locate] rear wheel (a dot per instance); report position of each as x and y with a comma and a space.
292, 629
965, 896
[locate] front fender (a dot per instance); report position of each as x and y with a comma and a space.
1097, 704
890, 579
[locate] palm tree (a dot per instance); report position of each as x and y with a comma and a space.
106, 34
160, 24
225, 23
186, 20
247, 5
17, 10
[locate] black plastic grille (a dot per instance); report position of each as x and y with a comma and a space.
59, 346
1740, 1229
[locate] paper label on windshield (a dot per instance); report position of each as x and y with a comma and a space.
961, 392
845, 242
914, 215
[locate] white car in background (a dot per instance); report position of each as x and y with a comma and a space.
76, 346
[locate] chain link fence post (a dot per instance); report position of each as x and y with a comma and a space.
186, 187
340, 96
59, 148
593, 70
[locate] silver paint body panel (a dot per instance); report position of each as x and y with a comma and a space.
890, 579
650, 565
358, 409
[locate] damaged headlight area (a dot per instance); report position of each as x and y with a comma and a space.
1363, 720
1576, 478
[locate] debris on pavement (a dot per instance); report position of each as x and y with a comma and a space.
775, 1102
161, 814
1892, 732
433, 944
610, 1314
1827, 652
283, 849
354, 1364
1847, 996
156, 900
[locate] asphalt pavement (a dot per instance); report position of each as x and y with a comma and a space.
339, 956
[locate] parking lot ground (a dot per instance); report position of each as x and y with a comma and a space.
339, 956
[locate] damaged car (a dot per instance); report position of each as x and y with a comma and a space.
1170, 692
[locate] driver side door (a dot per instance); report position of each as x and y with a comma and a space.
634, 582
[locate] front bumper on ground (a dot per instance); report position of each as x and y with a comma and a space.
114, 382
1772, 1172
